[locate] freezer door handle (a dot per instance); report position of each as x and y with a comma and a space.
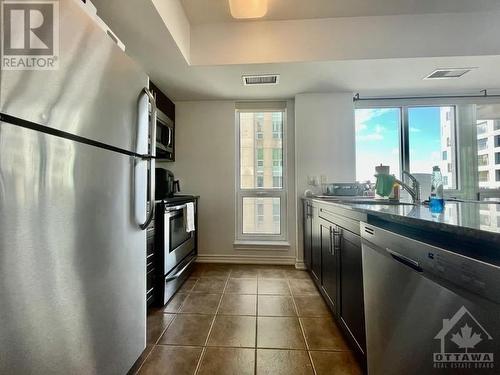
151, 161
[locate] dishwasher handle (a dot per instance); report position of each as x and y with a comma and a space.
413, 264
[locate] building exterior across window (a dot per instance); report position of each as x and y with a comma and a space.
261, 192
488, 146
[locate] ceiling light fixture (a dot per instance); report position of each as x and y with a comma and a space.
248, 8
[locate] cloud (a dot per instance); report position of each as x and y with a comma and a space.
374, 136
371, 137
414, 130
360, 127
364, 115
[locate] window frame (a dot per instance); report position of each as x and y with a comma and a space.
281, 193
404, 133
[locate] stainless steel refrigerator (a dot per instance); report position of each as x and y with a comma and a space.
73, 180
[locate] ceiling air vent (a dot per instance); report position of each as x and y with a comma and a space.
262, 79
448, 73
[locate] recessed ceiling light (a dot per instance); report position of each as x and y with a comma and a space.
248, 8
261, 79
448, 73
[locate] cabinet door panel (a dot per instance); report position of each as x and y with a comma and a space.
329, 262
307, 234
351, 284
316, 245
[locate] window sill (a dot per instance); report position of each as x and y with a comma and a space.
261, 245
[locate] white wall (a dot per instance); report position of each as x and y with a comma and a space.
324, 143
174, 17
320, 131
346, 38
206, 157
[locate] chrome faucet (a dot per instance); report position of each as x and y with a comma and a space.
414, 189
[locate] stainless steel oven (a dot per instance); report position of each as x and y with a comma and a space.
175, 245
178, 242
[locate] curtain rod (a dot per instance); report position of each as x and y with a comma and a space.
357, 98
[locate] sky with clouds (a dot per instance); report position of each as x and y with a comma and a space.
377, 140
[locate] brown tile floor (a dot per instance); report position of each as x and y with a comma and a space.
243, 319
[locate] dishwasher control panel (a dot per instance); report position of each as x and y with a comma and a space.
470, 274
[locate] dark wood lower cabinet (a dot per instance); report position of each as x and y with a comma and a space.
308, 215
336, 267
351, 307
315, 247
329, 262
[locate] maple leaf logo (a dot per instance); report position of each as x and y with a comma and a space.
466, 339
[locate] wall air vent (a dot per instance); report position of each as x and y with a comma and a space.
448, 73
262, 79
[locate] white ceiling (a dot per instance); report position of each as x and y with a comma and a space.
214, 11
149, 42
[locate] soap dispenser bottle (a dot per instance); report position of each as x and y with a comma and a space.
436, 202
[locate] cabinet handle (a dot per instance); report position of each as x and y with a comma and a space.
337, 237
332, 241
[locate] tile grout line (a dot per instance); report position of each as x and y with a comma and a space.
203, 352
165, 330
188, 293
168, 325
302, 329
246, 347
155, 344
198, 365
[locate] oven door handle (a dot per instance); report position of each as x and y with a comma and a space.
178, 274
175, 208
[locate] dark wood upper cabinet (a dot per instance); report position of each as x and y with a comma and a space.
163, 103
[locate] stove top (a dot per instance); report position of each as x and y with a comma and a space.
178, 198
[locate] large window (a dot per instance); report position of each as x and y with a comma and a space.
261, 183
431, 131
488, 143
412, 138
377, 141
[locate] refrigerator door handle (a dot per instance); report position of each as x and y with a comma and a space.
152, 124
151, 155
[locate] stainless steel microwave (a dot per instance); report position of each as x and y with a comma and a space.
164, 137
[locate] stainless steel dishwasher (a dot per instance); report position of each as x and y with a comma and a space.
428, 310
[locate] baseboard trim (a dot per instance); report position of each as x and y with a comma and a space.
246, 259
300, 265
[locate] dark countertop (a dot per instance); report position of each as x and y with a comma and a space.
465, 224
